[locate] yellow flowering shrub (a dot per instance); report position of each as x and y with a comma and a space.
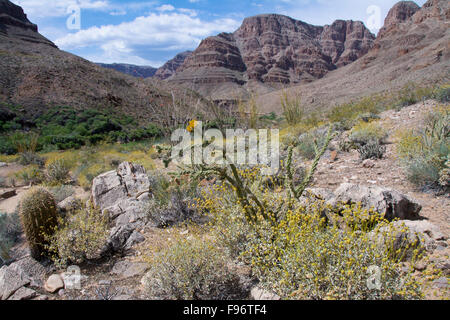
306, 251
79, 237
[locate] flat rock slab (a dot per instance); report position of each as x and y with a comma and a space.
128, 269
23, 294
12, 279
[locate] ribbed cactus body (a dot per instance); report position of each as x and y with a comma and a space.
39, 218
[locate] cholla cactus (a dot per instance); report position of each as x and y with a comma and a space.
39, 219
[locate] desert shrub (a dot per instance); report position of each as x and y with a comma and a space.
363, 133
7, 147
424, 152
191, 270
61, 192
412, 93
306, 145
39, 216
9, 232
31, 175
79, 237
443, 94
25, 142
372, 150
292, 108
30, 158
307, 142
303, 257
172, 202
307, 252
86, 173
368, 117
56, 172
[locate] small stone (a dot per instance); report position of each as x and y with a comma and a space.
128, 269
258, 293
368, 164
3, 164
420, 266
333, 156
61, 292
54, 283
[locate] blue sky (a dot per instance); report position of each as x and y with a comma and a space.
150, 32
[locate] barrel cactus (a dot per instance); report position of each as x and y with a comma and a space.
39, 218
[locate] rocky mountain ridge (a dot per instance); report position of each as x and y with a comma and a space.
36, 75
130, 69
276, 49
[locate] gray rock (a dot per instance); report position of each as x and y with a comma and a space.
409, 236
128, 269
11, 279
3, 164
258, 293
123, 194
128, 181
23, 294
33, 270
69, 204
392, 204
54, 283
134, 239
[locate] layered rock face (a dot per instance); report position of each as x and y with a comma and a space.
275, 49
14, 22
171, 66
399, 13
411, 48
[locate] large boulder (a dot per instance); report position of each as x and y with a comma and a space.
25, 272
123, 194
408, 238
391, 203
11, 280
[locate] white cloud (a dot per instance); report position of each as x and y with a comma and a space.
163, 31
321, 12
58, 8
166, 7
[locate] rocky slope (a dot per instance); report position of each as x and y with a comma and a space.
171, 66
413, 46
273, 49
35, 74
132, 70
